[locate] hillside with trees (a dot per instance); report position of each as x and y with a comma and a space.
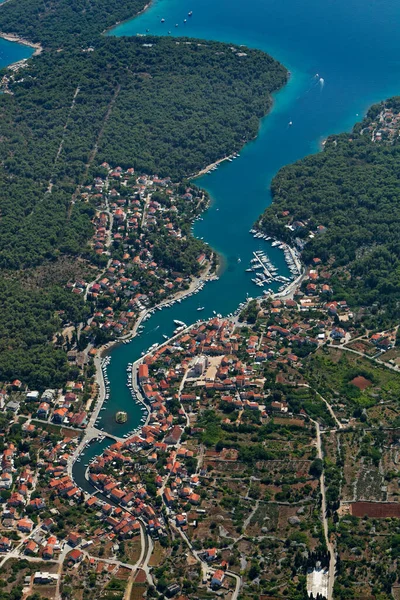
160, 105
351, 188
61, 22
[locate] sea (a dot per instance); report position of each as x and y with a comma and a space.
343, 55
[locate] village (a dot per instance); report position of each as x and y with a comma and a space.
229, 454
143, 247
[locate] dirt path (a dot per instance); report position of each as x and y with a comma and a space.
94, 150
60, 147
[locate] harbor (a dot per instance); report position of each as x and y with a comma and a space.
239, 188
269, 272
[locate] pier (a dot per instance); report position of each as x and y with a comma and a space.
267, 273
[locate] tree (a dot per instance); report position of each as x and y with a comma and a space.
316, 468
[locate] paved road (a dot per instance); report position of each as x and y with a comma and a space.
329, 545
370, 358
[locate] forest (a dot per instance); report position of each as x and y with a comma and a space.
193, 103
29, 320
352, 189
160, 105
56, 23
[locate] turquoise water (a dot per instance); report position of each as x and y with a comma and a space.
10, 52
353, 45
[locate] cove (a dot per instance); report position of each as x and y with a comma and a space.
353, 46
11, 52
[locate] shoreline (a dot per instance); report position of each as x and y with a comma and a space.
118, 23
13, 37
104, 350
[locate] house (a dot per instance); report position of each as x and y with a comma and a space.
6, 481
48, 551
279, 406
338, 333
25, 525
43, 577
210, 554
180, 520
43, 410
74, 539
5, 544
173, 436
143, 372
37, 503
168, 497
47, 524
75, 556
217, 578
59, 415
31, 547
12, 406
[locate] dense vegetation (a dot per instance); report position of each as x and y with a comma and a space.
192, 104
60, 22
28, 321
351, 188
160, 105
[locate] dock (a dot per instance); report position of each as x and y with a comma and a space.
266, 271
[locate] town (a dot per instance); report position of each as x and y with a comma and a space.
201, 499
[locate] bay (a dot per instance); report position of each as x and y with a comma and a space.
11, 52
353, 46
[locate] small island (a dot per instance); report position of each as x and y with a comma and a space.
121, 416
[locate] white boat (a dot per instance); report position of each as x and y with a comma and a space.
201, 308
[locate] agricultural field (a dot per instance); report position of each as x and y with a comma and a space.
359, 391
364, 346
363, 464
261, 501
368, 552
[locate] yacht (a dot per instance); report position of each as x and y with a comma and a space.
190, 13
201, 308
162, 20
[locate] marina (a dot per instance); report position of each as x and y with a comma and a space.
269, 272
